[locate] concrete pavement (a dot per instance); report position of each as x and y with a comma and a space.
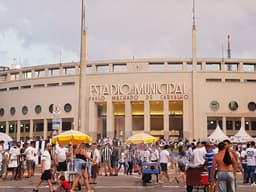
119, 183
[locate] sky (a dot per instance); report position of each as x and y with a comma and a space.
35, 32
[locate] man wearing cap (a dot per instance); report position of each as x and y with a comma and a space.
46, 168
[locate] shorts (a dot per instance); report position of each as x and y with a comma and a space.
29, 164
163, 167
79, 166
107, 163
182, 168
62, 166
47, 174
114, 164
94, 172
12, 168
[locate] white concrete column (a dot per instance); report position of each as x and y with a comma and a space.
31, 128
93, 120
111, 68
94, 69
187, 119
110, 119
240, 67
204, 133
184, 66
46, 72
77, 69
45, 129
21, 75
8, 77
128, 119
243, 122
18, 130
60, 128
224, 128
222, 66
147, 116
203, 66
166, 119
75, 122
62, 71
165, 65
33, 73
7, 124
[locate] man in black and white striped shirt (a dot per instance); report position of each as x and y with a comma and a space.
106, 156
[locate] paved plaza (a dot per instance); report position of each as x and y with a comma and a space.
119, 183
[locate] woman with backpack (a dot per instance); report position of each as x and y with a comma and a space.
182, 161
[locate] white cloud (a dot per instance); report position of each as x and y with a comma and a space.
34, 54
3, 9
38, 30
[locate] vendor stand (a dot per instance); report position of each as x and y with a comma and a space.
147, 168
74, 138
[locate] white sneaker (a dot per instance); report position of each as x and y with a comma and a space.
253, 184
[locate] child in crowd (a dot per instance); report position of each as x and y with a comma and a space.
64, 185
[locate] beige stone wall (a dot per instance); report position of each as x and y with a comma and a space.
222, 86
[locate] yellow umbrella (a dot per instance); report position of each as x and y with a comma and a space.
141, 138
72, 137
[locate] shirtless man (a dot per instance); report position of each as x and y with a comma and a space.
226, 173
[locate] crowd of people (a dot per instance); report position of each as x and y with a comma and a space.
112, 157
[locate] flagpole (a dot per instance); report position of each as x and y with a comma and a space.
82, 105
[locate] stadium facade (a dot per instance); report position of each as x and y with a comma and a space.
128, 96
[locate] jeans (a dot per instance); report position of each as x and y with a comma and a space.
225, 181
251, 170
130, 167
244, 165
124, 165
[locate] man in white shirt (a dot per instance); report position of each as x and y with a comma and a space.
30, 153
13, 159
251, 161
198, 155
95, 166
60, 157
164, 159
145, 155
244, 163
46, 168
154, 154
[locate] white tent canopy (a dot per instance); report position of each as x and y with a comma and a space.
5, 137
217, 136
241, 137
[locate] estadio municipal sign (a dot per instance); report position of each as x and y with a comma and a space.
138, 91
